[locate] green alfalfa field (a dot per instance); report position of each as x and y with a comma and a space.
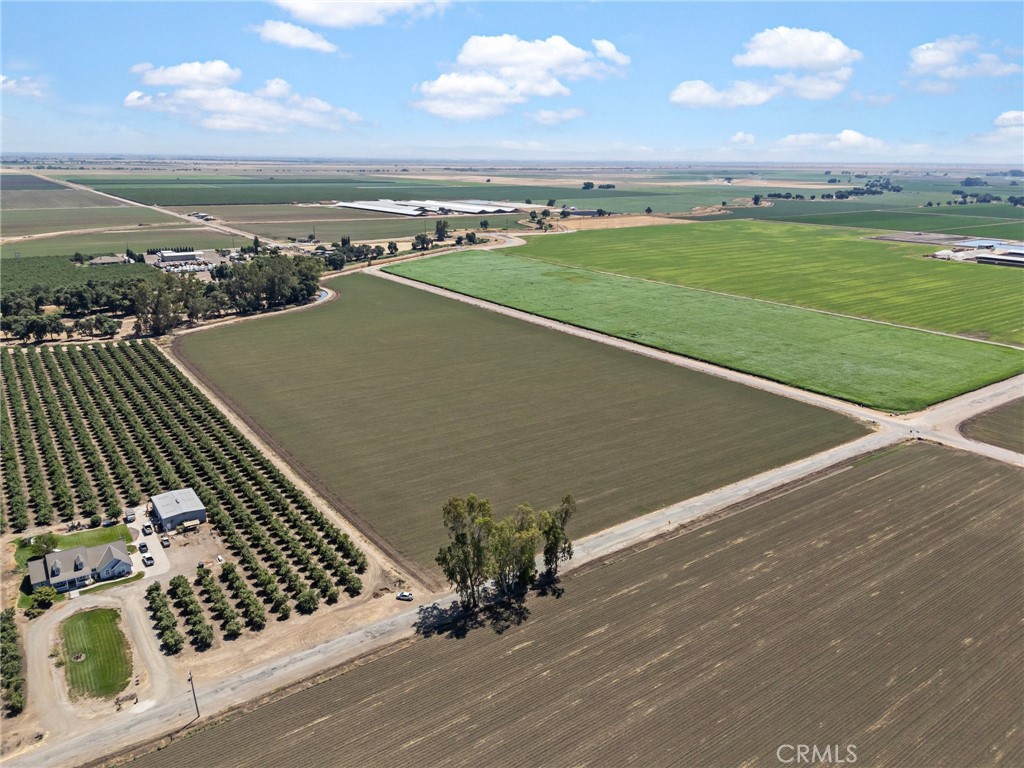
390, 400
880, 366
836, 270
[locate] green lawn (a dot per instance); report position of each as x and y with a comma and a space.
889, 368
107, 664
393, 400
822, 268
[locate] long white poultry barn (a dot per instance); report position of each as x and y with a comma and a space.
382, 206
422, 207
461, 206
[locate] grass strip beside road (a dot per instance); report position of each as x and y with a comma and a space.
106, 663
880, 366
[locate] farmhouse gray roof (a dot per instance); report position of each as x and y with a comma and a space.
68, 563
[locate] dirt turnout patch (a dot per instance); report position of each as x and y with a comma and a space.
1002, 426
876, 608
578, 223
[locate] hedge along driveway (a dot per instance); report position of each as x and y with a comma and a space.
880, 366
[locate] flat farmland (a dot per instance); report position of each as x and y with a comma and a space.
33, 221
285, 213
390, 400
881, 366
372, 229
1002, 426
878, 607
60, 198
819, 268
115, 242
949, 221
20, 182
252, 190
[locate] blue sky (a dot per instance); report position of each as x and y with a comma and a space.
926, 82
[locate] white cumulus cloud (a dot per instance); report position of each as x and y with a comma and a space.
556, 116
345, 14
953, 58
21, 86
793, 48
846, 140
293, 36
191, 73
742, 137
607, 50
741, 93
494, 73
818, 64
1009, 129
816, 87
209, 101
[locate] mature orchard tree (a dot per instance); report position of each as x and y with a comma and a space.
465, 561
513, 546
557, 546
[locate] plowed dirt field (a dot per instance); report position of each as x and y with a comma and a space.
877, 608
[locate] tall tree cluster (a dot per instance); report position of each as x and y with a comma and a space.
481, 549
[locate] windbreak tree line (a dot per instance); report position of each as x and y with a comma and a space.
482, 549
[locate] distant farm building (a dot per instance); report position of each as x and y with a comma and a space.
179, 257
423, 207
1002, 246
80, 566
1002, 259
102, 261
178, 508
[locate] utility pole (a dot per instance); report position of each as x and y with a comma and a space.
194, 699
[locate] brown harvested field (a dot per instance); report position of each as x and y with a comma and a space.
878, 607
579, 223
64, 197
1002, 426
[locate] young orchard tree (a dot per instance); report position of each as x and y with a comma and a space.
465, 561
